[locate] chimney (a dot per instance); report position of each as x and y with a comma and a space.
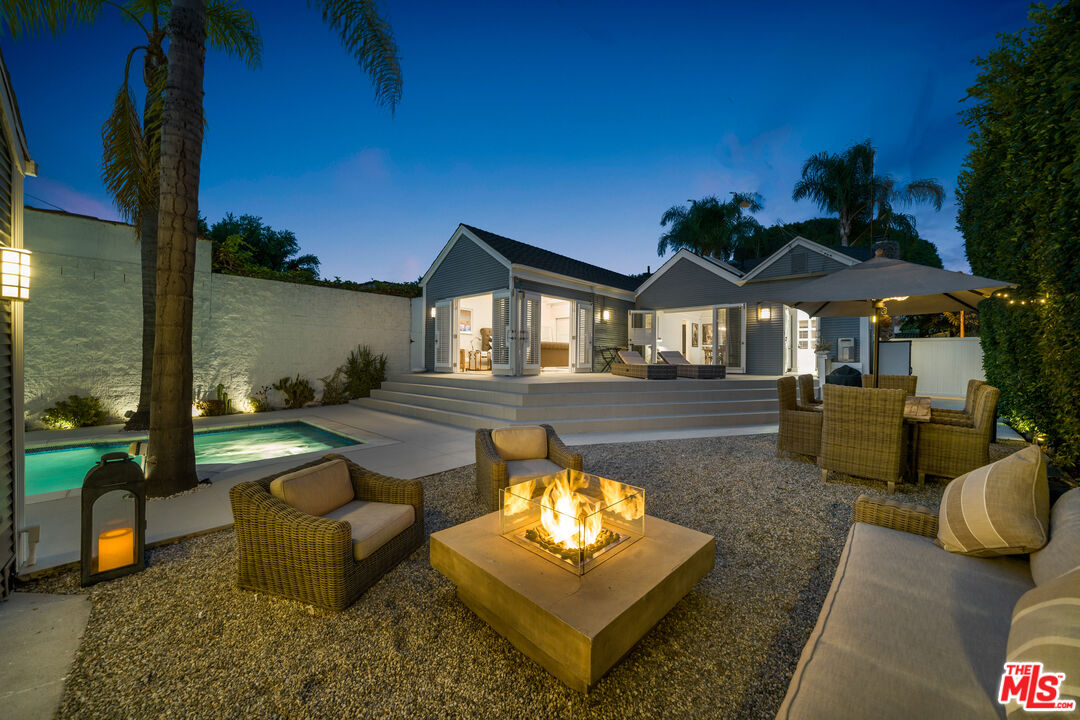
886, 248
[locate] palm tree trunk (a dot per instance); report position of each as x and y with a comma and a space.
845, 229
171, 462
148, 230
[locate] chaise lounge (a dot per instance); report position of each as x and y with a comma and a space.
685, 369
631, 364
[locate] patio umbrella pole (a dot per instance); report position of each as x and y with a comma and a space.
879, 311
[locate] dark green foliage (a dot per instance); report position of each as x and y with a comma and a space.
258, 400
218, 405
296, 391
1019, 211
73, 413
364, 371
709, 226
334, 389
244, 242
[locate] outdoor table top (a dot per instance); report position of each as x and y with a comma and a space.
916, 409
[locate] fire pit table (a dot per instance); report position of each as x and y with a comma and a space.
572, 571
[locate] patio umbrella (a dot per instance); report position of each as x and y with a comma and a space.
883, 284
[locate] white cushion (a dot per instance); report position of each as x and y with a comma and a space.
315, 490
520, 443
373, 523
519, 469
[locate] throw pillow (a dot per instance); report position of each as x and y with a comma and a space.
999, 509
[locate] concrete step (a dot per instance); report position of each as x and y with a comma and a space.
632, 395
576, 424
575, 383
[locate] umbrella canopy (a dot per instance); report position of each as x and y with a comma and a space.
904, 288
886, 285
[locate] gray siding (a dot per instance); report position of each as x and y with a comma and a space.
7, 409
815, 263
834, 327
765, 341
466, 270
554, 290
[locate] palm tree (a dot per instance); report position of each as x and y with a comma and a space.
710, 227
845, 184
363, 32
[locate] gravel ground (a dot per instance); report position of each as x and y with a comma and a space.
180, 641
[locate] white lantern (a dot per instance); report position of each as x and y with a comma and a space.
15, 274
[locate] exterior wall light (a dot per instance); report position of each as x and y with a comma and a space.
764, 312
432, 311
605, 315
15, 274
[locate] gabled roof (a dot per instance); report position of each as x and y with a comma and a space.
519, 253
834, 253
717, 267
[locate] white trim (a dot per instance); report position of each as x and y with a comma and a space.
461, 232
800, 242
25, 164
714, 267
525, 272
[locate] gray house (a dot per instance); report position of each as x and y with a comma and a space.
492, 303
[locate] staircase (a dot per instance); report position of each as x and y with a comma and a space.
578, 406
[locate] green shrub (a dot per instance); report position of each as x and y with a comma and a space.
334, 389
297, 391
258, 400
73, 413
364, 371
1018, 203
219, 405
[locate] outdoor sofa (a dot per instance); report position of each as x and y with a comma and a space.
513, 454
631, 364
324, 532
911, 630
685, 369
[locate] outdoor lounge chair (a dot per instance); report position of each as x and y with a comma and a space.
510, 455
684, 368
806, 390
862, 433
907, 383
631, 364
950, 449
324, 532
800, 427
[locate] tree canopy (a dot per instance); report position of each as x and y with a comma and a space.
245, 241
709, 226
1019, 211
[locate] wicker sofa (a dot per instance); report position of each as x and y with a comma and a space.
910, 630
328, 559
521, 457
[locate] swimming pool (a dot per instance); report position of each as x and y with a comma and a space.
63, 468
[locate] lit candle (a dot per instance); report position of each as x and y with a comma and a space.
116, 548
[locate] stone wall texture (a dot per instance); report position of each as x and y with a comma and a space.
84, 321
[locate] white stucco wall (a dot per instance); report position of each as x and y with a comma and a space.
84, 320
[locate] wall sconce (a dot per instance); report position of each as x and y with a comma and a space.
15, 272
432, 311
113, 519
764, 312
605, 315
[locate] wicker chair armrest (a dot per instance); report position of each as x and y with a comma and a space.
917, 519
267, 526
486, 453
558, 453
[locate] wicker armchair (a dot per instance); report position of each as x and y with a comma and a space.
907, 383
862, 433
948, 450
800, 427
806, 390
492, 473
286, 552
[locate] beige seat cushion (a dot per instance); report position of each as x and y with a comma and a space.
1046, 629
373, 523
315, 490
519, 469
999, 509
520, 443
1062, 552
907, 631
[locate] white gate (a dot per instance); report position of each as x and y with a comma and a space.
582, 357
443, 335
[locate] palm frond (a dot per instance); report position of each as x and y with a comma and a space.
370, 39
124, 164
232, 28
923, 191
37, 17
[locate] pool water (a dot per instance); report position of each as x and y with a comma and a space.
50, 470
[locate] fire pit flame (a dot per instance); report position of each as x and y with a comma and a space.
564, 512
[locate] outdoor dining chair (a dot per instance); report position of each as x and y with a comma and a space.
907, 383
950, 450
800, 427
862, 433
806, 390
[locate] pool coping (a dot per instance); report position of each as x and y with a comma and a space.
364, 440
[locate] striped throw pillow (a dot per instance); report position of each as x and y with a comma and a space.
999, 509
1046, 628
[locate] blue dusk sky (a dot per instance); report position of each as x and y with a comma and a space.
569, 125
